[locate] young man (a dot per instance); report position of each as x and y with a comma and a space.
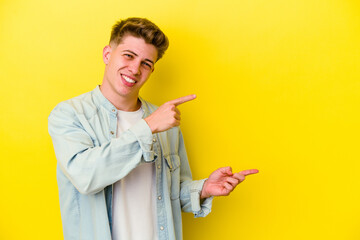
122, 167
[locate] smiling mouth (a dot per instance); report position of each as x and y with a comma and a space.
127, 81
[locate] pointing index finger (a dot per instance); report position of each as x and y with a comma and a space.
249, 171
182, 100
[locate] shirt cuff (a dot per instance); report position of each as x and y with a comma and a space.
143, 134
199, 209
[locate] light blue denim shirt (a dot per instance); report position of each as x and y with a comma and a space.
91, 159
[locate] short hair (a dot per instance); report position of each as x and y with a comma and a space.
143, 28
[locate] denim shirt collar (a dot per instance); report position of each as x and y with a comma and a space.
104, 102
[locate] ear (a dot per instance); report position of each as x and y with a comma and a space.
106, 54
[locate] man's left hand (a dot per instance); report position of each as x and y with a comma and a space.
222, 182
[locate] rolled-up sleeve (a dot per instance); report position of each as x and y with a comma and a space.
200, 209
143, 134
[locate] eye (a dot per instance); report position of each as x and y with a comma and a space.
129, 56
147, 65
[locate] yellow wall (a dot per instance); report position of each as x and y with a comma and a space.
278, 86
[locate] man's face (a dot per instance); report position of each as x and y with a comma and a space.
128, 66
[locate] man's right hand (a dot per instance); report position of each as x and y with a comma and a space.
167, 115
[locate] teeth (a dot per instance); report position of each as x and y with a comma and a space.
129, 80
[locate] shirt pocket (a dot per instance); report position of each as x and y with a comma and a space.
173, 175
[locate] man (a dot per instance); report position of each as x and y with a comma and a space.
122, 167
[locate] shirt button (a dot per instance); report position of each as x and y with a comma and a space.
161, 228
159, 197
112, 133
113, 110
159, 166
154, 139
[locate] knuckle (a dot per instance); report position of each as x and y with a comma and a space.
173, 122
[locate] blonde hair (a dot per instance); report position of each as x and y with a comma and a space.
143, 28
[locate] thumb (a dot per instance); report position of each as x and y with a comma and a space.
227, 170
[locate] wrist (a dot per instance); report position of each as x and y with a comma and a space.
148, 121
204, 194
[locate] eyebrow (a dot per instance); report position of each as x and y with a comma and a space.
146, 59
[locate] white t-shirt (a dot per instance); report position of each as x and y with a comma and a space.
134, 209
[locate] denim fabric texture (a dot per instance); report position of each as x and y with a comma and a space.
90, 159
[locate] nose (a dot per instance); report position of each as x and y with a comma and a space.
134, 67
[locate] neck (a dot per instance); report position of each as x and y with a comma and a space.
128, 103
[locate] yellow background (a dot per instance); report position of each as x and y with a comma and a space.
278, 86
